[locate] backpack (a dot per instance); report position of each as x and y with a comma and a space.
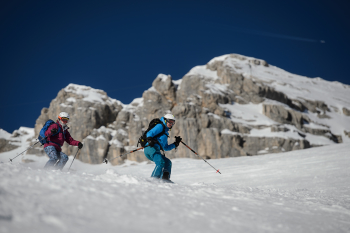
152, 124
42, 138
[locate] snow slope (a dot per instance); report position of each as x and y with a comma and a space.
299, 191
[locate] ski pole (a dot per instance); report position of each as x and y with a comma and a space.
199, 156
106, 161
27, 149
73, 159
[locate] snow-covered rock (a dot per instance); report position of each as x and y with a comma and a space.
232, 106
9, 142
88, 108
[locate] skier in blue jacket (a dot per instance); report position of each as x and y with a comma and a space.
158, 142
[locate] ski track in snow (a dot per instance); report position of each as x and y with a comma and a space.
299, 191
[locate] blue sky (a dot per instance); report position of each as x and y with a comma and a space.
121, 46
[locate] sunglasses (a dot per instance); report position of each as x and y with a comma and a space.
64, 119
171, 122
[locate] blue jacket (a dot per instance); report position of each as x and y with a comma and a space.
163, 139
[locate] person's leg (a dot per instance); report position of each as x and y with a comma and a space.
158, 158
149, 151
154, 155
63, 160
167, 168
53, 155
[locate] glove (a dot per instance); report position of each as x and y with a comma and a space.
178, 139
150, 141
80, 145
54, 131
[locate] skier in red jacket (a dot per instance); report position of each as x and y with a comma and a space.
54, 143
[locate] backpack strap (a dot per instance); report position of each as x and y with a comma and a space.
158, 135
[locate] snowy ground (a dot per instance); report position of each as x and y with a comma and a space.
299, 191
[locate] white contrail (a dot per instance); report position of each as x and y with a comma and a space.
281, 36
261, 33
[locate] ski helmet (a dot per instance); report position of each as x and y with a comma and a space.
169, 117
63, 117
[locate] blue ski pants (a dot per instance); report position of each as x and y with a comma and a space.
163, 164
57, 159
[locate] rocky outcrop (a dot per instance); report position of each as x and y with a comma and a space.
9, 141
88, 108
96, 145
164, 85
346, 111
283, 115
232, 106
263, 145
18, 138
347, 133
5, 145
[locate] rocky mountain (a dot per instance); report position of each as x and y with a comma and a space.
232, 106
9, 141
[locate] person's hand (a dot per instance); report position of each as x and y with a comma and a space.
178, 139
54, 131
150, 141
80, 145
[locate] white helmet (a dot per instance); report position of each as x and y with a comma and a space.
63, 114
63, 117
169, 117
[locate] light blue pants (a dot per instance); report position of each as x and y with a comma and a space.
163, 164
57, 159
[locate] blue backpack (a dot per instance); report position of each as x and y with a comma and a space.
42, 137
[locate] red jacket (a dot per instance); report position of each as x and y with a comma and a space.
59, 138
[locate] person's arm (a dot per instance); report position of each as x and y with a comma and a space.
156, 130
164, 141
53, 127
167, 147
70, 140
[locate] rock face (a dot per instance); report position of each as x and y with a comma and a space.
5, 145
8, 141
346, 111
88, 108
12, 141
233, 106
